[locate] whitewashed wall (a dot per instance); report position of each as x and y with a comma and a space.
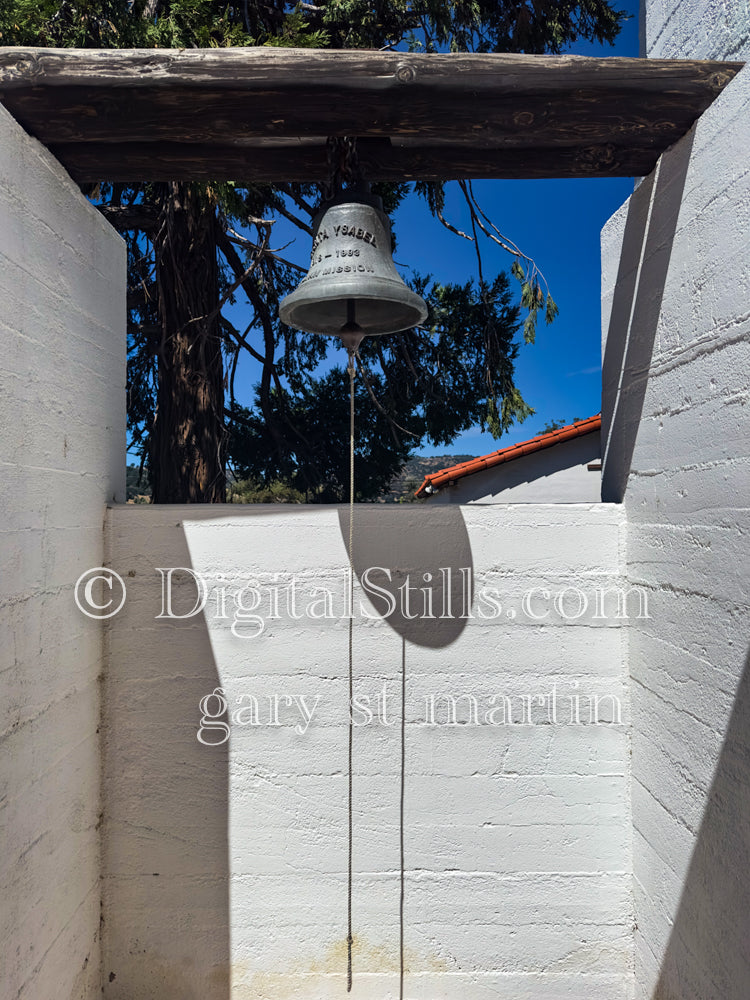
695, 29
62, 410
559, 474
517, 836
676, 439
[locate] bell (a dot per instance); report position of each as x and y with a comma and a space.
352, 289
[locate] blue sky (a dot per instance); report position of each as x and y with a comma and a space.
557, 222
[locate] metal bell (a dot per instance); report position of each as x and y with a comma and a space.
352, 286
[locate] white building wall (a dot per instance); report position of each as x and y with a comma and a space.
559, 474
676, 441
62, 410
225, 865
695, 29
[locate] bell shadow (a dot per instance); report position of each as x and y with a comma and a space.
652, 217
408, 554
708, 953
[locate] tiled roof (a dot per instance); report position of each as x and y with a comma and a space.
445, 477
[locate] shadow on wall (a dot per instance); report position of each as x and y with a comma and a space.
708, 954
166, 899
419, 553
165, 845
650, 228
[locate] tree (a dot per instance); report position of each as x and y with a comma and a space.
192, 248
555, 425
412, 384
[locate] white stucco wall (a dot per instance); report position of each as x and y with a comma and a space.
695, 29
225, 866
62, 410
554, 475
676, 273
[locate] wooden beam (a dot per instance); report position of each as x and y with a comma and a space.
264, 113
166, 161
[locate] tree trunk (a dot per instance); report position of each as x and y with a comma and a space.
188, 440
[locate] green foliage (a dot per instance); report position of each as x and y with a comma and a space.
200, 23
411, 486
172, 24
533, 298
253, 491
470, 25
297, 32
137, 486
102, 24
317, 464
552, 425
555, 425
428, 384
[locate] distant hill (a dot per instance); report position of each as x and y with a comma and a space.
412, 475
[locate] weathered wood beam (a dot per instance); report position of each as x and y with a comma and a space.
164, 161
212, 113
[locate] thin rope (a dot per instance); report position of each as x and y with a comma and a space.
349, 938
401, 815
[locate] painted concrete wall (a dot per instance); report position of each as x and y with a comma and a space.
555, 475
676, 439
62, 407
695, 29
517, 835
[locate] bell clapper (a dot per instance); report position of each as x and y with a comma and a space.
351, 366
351, 334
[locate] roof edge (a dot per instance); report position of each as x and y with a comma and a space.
434, 481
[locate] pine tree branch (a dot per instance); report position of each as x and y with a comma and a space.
126, 217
